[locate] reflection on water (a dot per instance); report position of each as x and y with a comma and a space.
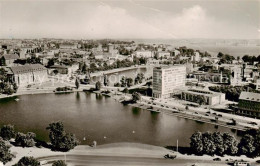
94, 117
136, 111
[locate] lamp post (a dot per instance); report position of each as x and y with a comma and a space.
177, 149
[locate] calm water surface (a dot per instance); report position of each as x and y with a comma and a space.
97, 118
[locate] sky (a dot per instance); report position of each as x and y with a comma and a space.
130, 19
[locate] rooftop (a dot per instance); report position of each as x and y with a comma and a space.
59, 66
10, 56
250, 96
202, 92
169, 67
27, 68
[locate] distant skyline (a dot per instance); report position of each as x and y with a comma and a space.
130, 19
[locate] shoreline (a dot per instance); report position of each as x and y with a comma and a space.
180, 111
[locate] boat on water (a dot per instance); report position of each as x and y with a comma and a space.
157, 111
16, 99
198, 121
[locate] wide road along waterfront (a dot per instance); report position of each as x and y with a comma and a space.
98, 118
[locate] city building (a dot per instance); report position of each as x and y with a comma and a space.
145, 54
163, 54
8, 59
195, 57
68, 46
205, 97
249, 104
166, 80
55, 69
209, 76
235, 77
257, 84
28, 74
175, 52
110, 48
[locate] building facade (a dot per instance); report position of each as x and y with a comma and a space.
249, 104
8, 59
235, 77
145, 54
28, 74
168, 79
204, 97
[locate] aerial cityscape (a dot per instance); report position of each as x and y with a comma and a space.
129, 83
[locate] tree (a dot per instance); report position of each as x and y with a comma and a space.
2, 61
246, 145
218, 141
257, 142
230, 144
125, 90
136, 96
5, 153
196, 143
129, 82
59, 163
8, 90
98, 85
77, 83
28, 161
61, 140
51, 62
220, 55
57, 133
7, 132
84, 68
69, 141
208, 144
15, 87
25, 140
106, 80
123, 81
92, 67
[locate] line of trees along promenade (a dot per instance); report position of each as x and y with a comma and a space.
217, 143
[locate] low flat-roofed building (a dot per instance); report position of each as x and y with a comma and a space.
249, 104
28, 74
203, 96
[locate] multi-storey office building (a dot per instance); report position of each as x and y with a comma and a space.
168, 79
249, 104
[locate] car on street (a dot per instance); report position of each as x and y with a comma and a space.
252, 123
219, 115
170, 156
217, 159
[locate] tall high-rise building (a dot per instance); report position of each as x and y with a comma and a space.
168, 79
235, 77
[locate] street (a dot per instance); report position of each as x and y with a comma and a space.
78, 160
